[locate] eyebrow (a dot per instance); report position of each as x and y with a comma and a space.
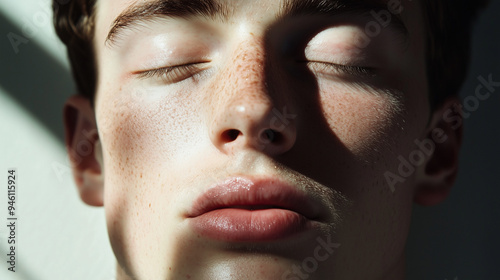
215, 10
332, 8
136, 13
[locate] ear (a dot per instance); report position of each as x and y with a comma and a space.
84, 149
444, 135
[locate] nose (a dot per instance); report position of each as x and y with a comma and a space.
258, 126
246, 117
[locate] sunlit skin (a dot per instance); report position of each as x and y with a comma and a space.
165, 139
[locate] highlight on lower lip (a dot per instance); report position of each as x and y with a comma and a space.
242, 209
239, 225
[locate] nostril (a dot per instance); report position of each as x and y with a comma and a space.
230, 135
271, 136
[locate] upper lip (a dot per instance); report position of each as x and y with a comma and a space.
250, 193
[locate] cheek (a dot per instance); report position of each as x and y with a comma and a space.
142, 134
361, 118
142, 137
376, 127
144, 129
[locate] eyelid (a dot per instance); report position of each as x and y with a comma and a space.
173, 74
351, 70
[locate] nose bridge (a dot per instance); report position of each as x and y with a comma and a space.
246, 74
241, 89
243, 104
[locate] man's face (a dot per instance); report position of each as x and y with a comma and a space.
268, 139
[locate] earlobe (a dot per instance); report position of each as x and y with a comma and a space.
83, 146
437, 176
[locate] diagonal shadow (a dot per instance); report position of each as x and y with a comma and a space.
34, 79
38, 83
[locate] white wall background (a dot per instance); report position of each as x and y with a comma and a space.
61, 238
58, 236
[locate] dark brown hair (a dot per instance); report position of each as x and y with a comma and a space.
74, 21
449, 30
448, 25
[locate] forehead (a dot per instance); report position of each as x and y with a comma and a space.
111, 14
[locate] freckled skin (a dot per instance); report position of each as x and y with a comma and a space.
163, 146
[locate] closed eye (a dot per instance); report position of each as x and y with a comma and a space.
174, 74
327, 68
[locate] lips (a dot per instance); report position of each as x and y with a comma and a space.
242, 209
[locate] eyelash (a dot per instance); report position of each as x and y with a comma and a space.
175, 74
350, 70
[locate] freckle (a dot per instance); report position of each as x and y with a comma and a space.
188, 276
150, 205
141, 175
169, 268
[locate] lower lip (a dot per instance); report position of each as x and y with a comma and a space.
239, 225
